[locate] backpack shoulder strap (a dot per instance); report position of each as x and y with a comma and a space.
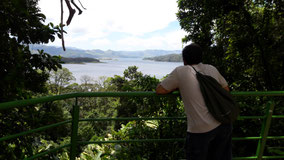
194, 69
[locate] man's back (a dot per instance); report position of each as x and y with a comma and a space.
184, 78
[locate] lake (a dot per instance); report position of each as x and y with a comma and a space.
109, 68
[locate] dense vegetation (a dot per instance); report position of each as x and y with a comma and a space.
23, 74
166, 58
132, 80
243, 39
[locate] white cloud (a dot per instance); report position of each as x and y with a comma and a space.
131, 16
169, 41
99, 43
102, 17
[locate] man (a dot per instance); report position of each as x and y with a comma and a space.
206, 137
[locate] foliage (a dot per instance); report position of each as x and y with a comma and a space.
59, 79
22, 73
41, 145
133, 80
243, 38
22, 24
32, 117
100, 107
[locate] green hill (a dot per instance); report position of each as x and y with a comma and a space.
79, 60
166, 58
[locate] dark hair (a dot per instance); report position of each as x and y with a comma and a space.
192, 54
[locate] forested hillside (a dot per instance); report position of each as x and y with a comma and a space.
166, 58
80, 60
244, 39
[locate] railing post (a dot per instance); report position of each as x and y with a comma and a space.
264, 130
74, 131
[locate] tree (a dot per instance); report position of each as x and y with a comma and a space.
133, 81
21, 71
243, 38
60, 79
23, 74
86, 82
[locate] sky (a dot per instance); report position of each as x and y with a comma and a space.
128, 25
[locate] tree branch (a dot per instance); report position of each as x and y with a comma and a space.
61, 26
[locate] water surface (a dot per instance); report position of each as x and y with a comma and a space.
109, 68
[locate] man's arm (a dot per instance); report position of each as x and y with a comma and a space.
171, 83
161, 90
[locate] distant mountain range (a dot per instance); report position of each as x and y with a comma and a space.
100, 54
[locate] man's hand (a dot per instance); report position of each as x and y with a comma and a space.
227, 88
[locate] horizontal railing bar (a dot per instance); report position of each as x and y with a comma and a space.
254, 157
132, 141
241, 158
27, 102
275, 137
257, 138
48, 151
9, 105
34, 130
257, 93
133, 118
272, 157
169, 140
250, 117
155, 118
125, 94
156, 140
277, 116
245, 138
18, 103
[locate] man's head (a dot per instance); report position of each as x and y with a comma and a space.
192, 54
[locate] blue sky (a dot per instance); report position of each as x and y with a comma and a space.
119, 24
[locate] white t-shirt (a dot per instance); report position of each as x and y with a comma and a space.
199, 120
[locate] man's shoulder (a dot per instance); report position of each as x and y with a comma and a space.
208, 67
179, 67
182, 68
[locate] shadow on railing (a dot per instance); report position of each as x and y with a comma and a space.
262, 138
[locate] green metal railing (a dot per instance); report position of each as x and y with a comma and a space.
75, 121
